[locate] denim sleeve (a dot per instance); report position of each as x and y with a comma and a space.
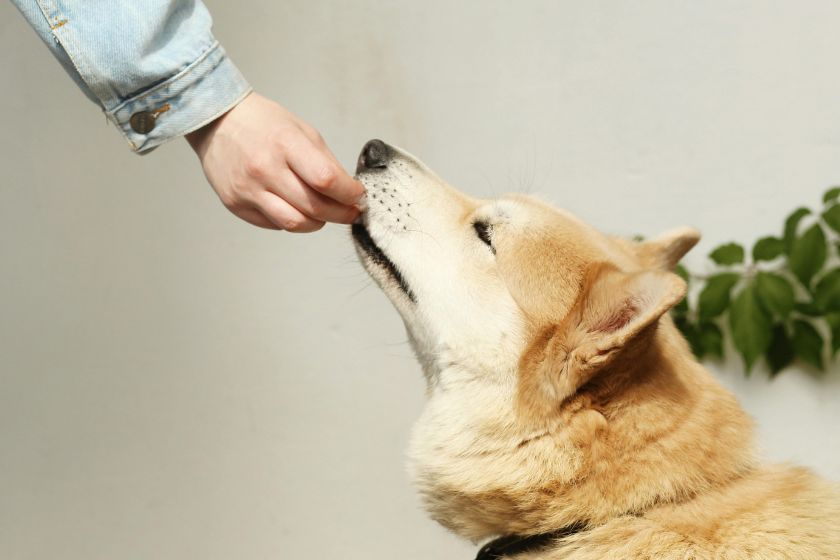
152, 65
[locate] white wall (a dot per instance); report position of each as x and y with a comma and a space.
175, 384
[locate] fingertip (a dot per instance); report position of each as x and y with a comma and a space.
345, 188
354, 191
360, 189
313, 227
350, 216
323, 173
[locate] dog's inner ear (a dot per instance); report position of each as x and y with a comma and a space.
611, 313
665, 251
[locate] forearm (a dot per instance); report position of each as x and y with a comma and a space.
153, 66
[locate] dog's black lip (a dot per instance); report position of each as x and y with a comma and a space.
365, 241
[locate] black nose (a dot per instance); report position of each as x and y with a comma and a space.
375, 155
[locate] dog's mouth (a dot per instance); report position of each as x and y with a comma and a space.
378, 257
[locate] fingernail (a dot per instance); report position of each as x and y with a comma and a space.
361, 204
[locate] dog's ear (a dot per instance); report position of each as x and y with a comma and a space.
666, 250
611, 313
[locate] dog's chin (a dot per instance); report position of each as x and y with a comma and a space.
379, 266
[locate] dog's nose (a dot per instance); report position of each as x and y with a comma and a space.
375, 155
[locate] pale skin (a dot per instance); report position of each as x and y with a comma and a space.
273, 170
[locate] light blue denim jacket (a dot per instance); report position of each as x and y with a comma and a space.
154, 60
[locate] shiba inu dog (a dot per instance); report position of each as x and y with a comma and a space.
566, 415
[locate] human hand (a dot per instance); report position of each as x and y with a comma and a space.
273, 170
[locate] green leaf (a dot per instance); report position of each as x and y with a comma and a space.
768, 248
714, 298
775, 293
831, 194
781, 352
833, 320
682, 272
808, 343
827, 292
727, 254
832, 217
691, 334
751, 326
807, 254
710, 339
808, 308
791, 225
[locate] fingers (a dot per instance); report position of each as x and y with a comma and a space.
290, 188
319, 170
273, 170
285, 216
255, 217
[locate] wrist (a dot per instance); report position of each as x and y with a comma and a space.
199, 137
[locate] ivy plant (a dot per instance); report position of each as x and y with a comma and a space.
779, 302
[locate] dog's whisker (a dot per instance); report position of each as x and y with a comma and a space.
356, 293
402, 342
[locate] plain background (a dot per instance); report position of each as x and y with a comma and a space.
177, 384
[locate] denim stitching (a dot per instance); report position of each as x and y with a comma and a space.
211, 59
67, 41
168, 83
133, 104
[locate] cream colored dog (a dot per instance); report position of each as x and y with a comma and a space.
565, 411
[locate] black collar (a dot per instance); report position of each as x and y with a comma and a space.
517, 544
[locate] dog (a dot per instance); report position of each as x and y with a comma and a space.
566, 416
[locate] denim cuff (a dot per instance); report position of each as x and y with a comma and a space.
194, 97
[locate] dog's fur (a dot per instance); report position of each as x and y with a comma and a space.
560, 391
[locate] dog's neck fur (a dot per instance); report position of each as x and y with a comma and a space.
485, 471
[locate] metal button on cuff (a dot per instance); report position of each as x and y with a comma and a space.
143, 122
195, 96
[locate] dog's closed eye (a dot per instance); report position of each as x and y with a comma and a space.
483, 230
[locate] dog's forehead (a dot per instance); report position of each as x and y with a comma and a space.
523, 211
520, 208
516, 208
